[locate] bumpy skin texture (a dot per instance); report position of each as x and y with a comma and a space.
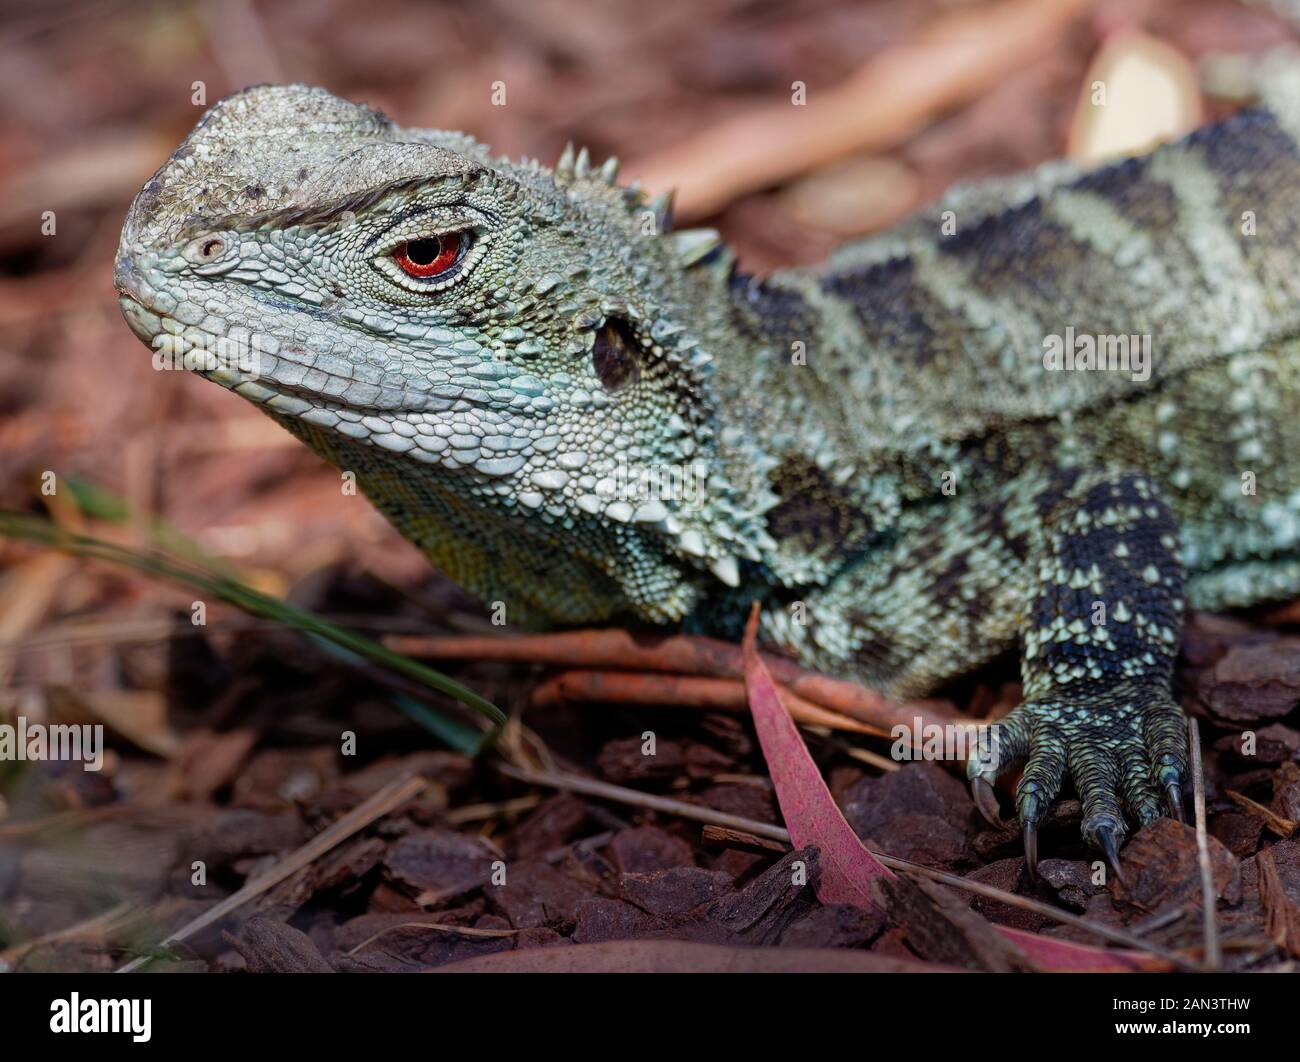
590, 418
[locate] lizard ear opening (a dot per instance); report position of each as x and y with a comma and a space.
616, 355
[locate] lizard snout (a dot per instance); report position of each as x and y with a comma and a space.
126, 277
131, 289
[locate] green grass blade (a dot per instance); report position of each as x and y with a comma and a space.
225, 588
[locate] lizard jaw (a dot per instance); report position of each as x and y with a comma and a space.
139, 318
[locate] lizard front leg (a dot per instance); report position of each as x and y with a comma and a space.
1098, 645
1080, 569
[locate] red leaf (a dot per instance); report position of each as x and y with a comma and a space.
812, 817
810, 812
684, 956
1062, 956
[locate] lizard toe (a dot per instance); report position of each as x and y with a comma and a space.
1165, 731
1039, 784
998, 746
1141, 797
1095, 769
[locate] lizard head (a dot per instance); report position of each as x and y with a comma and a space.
513, 361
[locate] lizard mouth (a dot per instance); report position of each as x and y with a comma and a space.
257, 368
134, 298
139, 318
249, 373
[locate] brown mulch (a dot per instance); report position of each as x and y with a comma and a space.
460, 872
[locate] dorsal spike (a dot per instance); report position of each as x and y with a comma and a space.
726, 569
662, 205
582, 165
694, 245
609, 171
564, 168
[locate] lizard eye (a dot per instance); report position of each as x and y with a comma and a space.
429, 256
428, 264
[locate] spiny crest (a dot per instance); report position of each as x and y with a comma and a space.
575, 165
571, 166
691, 247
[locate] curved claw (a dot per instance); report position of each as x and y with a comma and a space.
1106, 839
1031, 848
982, 793
1031, 811
1174, 801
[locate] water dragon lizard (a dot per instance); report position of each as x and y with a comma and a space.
909, 456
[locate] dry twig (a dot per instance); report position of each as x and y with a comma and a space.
1213, 956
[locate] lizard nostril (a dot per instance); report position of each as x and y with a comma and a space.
126, 278
204, 249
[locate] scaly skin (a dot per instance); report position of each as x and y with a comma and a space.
589, 418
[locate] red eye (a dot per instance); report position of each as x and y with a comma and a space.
428, 256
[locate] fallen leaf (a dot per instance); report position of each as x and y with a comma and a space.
854, 196
1139, 92
141, 716
810, 812
676, 956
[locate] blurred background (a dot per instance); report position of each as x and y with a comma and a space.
791, 127
902, 99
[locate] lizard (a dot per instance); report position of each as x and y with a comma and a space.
1043, 415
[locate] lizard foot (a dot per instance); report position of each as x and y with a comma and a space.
1124, 746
